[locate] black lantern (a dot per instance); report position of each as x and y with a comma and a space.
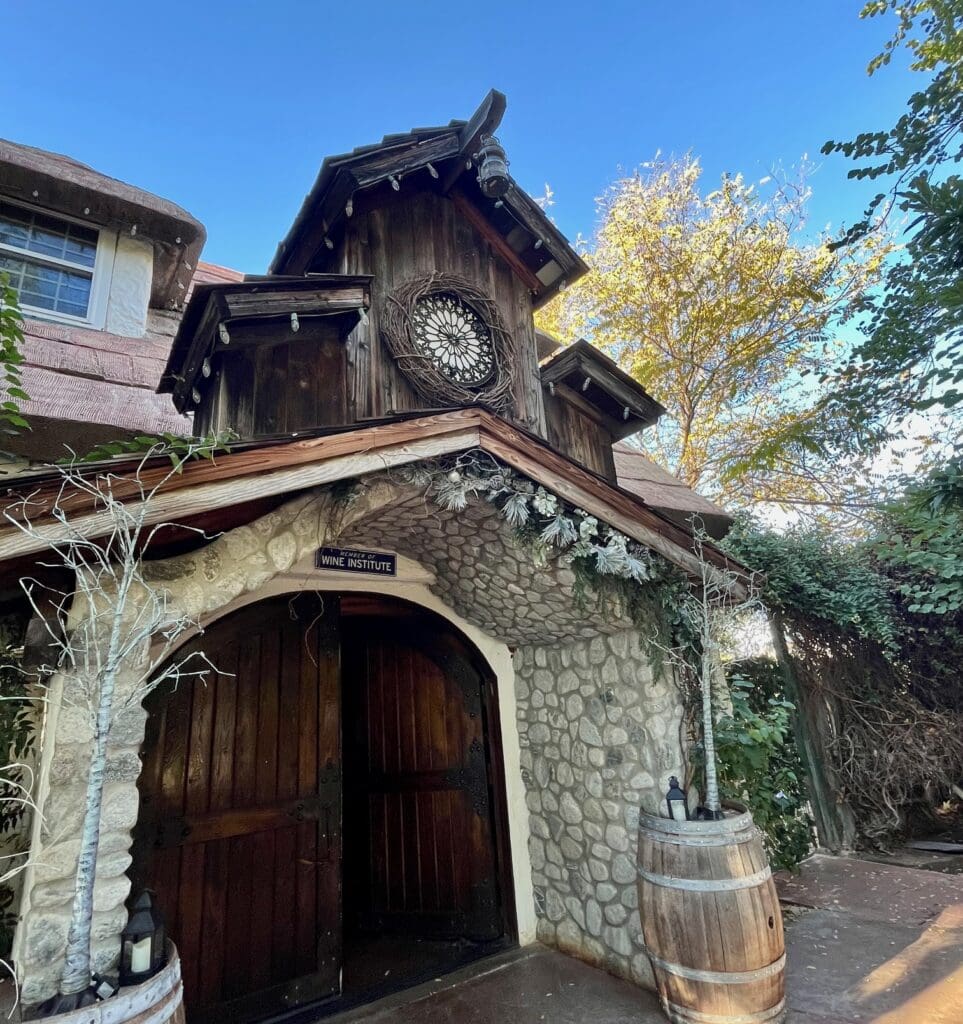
142, 951
492, 167
676, 801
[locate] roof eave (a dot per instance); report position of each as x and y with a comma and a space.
311, 461
63, 185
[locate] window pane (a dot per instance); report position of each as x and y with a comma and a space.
14, 228
48, 236
48, 287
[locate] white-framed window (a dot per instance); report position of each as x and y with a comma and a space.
59, 267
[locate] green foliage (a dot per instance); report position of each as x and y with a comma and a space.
912, 355
875, 632
922, 546
172, 446
17, 739
812, 574
758, 764
11, 359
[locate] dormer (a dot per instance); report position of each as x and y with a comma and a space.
89, 251
590, 404
455, 258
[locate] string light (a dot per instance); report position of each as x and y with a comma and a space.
431, 170
222, 333
295, 323
395, 183
349, 207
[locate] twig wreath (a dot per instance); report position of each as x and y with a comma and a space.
417, 362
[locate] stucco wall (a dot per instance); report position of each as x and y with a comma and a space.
130, 284
599, 732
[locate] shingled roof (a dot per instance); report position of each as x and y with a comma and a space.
441, 157
65, 185
663, 491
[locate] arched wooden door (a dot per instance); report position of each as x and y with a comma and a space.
239, 830
420, 821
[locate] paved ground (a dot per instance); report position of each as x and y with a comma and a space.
873, 943
528, 986
868, 943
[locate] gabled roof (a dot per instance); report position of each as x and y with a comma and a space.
64, 185
254, 472
442, 158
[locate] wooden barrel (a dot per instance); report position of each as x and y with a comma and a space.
159, 1000
711, 920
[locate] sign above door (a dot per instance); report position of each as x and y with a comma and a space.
374, 563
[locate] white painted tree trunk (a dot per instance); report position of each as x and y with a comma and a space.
708, 736
77, 974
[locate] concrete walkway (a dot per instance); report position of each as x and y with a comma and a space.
868, 943
527, 986
873, 943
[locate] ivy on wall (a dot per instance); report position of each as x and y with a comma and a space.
17, 739
758, 761
875, 630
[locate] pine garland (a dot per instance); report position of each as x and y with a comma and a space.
620, 572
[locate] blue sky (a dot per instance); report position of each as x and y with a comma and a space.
229, 108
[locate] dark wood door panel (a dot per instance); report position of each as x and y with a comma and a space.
239, 832
419, 782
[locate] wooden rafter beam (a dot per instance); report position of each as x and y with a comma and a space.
484, 121
474, 216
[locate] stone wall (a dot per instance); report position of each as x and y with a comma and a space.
599, 732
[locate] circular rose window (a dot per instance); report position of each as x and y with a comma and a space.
454, 337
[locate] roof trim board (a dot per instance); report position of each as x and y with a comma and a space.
295, 465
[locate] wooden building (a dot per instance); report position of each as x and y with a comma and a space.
423, 746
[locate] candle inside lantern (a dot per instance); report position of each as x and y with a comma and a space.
140, 956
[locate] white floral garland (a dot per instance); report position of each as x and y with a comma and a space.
559, 528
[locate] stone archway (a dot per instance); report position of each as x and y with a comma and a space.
596, 726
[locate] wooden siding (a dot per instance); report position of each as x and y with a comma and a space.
410, 237
581, 437
273, 381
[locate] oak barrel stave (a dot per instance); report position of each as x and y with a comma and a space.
711, 920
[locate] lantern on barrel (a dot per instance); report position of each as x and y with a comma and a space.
676, 801
142, 951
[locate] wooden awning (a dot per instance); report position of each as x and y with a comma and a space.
256, 472
581, 373
216, 305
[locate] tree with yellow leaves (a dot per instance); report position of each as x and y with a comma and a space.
718, 306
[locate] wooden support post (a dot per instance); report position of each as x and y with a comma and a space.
835, 825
